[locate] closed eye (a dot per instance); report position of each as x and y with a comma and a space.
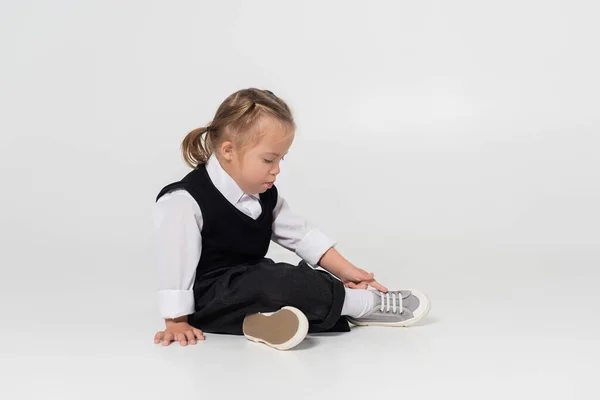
266, 160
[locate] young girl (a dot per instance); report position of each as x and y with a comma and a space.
213, 230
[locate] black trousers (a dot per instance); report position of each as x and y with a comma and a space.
224, 297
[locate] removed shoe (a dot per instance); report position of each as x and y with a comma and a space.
395, 308
281, 329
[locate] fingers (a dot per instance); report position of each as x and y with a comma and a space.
167, 338
367, 279
180, 337
190, 337
365, 285
185, 337
361, 285
378, 286
198, 333
360, 275
353, 285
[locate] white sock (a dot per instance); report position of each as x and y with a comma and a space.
358, 302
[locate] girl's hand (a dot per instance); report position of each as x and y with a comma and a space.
179, 331
356, 278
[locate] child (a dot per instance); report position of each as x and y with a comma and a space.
213, 230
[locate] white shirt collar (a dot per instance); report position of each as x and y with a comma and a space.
224, 182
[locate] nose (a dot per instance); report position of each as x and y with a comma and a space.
275, 171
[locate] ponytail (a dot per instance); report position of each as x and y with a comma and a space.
195, 148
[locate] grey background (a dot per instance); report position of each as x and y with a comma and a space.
446, 146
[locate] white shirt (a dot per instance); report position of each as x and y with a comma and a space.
178, 237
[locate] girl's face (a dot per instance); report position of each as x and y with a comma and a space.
255, 169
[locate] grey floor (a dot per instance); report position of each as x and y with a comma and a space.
502, 325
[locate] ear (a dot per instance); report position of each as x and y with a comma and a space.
226, 150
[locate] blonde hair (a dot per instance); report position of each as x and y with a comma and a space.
236, 120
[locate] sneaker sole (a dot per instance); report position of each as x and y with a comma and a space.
282, 330
420, 313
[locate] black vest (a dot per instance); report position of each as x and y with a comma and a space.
229, 237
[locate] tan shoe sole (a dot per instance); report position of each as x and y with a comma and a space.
282, 330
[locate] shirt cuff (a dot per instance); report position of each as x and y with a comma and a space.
313, 245
175, 303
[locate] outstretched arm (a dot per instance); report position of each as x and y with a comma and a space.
294, 233
352, 276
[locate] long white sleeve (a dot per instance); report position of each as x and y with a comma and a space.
293, 233
178, 243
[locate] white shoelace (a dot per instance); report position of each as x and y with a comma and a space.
386, 302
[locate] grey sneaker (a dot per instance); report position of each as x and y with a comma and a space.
395, 308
